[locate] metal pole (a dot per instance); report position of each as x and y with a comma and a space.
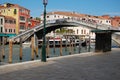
43, 58
54, 43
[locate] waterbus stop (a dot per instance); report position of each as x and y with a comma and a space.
103, 39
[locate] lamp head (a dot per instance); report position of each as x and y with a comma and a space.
45, 2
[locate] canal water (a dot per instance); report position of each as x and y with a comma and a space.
52, 52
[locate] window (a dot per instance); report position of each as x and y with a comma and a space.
15, 11
5, 30
1, 29
22, 18
9, 30
82, 31
22, 27
77, 31
106, 21
47, 16
1, 21
14, 22
14, 30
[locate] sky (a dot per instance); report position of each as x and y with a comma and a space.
91, 7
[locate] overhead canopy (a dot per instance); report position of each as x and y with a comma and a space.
104, 31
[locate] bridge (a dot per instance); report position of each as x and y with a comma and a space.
59, 23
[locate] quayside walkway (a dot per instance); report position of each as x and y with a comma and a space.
86, 66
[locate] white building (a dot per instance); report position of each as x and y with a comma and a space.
81, 30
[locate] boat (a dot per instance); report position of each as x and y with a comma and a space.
55, 42
26, 44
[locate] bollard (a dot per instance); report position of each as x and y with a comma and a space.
32, 48
10, 51
20, 55
60, 47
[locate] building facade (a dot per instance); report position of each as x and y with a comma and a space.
21, 15
116, 21
34, 22
1, 24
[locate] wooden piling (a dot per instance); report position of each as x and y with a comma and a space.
10, 51
66, 44
61, 47
79, 51
70, 48
3, 48
36, 51
0, 52
36, 46
32, 48
20, 55
47, 50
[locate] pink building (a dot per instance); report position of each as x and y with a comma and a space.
9, 25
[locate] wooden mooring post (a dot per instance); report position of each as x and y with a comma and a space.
0, 52
47, 49
10, 51
32, 48
36, 46
60, 47
20, 55
70, 51
3, 48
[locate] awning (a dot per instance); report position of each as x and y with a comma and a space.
7, 35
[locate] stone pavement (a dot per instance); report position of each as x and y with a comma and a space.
87, 66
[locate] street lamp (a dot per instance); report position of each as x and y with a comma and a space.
43, 58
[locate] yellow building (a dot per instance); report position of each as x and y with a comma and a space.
21, 14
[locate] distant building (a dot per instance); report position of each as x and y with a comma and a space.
116, 21
79, 31
7, 27
34, 22
19, 13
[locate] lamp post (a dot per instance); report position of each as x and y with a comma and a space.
43, 58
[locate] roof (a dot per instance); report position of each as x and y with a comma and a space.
11, 5
73, 14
